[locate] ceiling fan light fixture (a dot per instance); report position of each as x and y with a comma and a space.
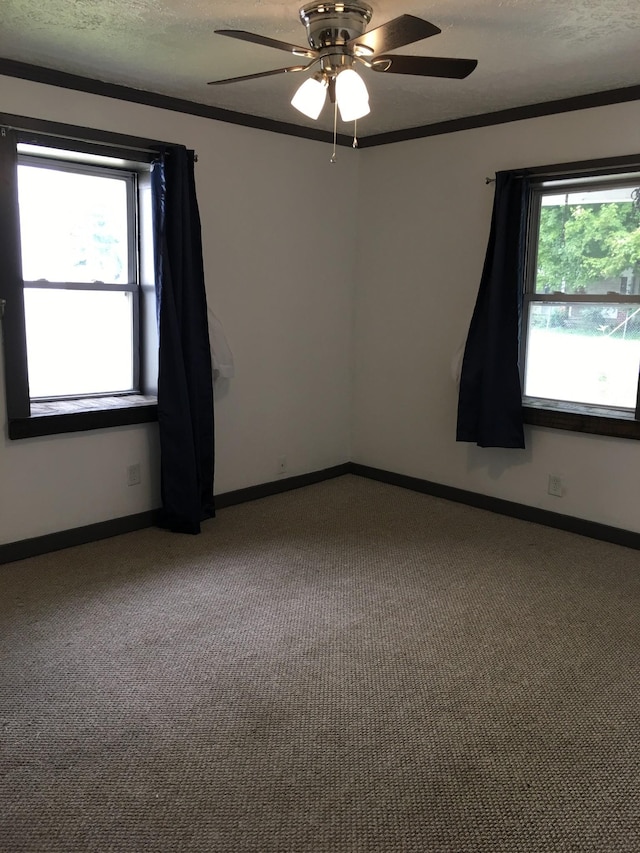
339, 38
310, 97
351, 95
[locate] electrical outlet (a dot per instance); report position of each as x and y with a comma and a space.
282, 464
133, 474
555, 486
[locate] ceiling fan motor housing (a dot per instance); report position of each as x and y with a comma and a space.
334, 24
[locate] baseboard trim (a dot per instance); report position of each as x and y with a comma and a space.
571, 524
276, 487
24, 548
39, 545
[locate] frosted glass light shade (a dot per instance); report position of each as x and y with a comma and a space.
310, 97
351, 95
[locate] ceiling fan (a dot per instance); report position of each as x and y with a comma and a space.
338, 40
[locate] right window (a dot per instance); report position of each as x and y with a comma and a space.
581, 309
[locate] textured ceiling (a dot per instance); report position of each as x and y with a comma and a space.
528, 51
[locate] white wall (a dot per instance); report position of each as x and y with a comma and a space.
285, 236
424, 220
278, 224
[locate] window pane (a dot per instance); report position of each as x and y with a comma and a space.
584, 353
78, 342
73, 226
589, 241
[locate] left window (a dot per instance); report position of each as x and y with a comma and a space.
78, 239
88, 296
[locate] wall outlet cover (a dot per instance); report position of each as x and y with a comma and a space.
133, 474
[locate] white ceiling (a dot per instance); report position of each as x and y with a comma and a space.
528, 52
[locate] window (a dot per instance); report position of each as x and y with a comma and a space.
79, 263
87, 288
580, 354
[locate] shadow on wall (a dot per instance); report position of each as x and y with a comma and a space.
221, 387
222, 362
496, 460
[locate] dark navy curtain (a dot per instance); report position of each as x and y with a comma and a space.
490, 399
185, 383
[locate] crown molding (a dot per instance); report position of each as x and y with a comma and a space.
51, 77
545, 108
64, 80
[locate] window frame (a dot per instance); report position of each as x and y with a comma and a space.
557, 414
130, 177
29, 417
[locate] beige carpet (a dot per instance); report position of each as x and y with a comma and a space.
346, 667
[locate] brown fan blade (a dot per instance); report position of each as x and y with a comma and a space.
259, 74
425, 66
243, 35
395, 33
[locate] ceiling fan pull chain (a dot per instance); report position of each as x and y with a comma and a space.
335, 131
355, 133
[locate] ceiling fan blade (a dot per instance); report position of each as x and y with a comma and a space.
259, 74
295, 49
395, 33
425, 66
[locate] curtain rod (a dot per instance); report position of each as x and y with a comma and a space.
580, 168
68, 138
